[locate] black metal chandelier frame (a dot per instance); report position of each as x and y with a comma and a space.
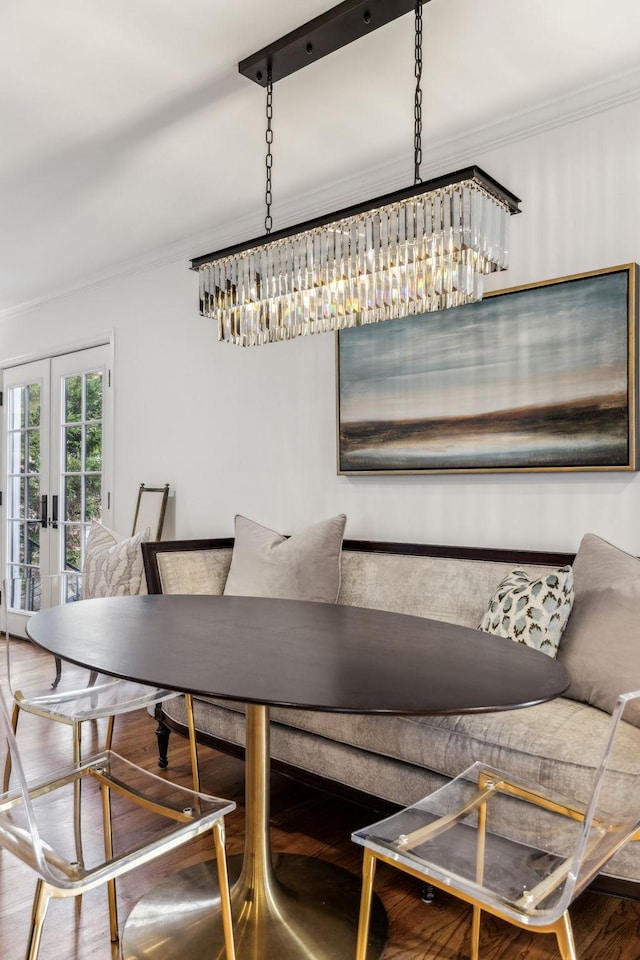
337, 27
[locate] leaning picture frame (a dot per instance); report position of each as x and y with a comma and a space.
535, 378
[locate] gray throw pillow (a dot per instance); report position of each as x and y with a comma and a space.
600, 647
533, 612
305, 566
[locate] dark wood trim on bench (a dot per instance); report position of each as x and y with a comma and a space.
487, 554
151, 550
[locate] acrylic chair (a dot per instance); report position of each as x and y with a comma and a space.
81, 695
509, 847
160, 816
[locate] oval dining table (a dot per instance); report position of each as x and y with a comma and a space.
285, 653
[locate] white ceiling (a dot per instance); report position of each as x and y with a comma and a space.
128, 134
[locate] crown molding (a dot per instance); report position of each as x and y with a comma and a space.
381, 178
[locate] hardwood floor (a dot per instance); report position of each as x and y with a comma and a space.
303, 821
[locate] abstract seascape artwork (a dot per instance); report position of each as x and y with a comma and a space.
535, 378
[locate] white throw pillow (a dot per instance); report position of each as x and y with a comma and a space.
533, 612
113, 564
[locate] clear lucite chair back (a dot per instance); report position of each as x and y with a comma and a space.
613, 810
22, 596
78, 694
520, 849
18, 826
565, 841
160, 815
32, 593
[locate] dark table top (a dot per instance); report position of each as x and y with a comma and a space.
299, 654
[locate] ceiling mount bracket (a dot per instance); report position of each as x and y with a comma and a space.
339, 26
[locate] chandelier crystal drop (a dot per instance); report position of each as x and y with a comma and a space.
425, 253
423, 248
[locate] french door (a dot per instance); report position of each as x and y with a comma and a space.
57, 437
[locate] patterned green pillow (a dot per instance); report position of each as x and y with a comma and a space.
529, 611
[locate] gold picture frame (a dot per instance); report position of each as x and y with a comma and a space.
539, 377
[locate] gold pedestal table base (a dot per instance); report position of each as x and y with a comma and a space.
311, 913
285, 906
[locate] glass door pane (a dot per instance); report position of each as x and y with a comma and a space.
55, 428
27, 470
78, 409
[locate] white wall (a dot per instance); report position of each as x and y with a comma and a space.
253, 430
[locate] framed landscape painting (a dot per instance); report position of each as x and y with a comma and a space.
535, 378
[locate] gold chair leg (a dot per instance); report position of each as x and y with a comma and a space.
109, 737
480, 854
475, 933
38, 913
77, 742
193, 743
223, 883
368, 874
15, 713
77, 792
564, 936
108, 852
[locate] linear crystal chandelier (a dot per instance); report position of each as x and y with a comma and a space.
426, 247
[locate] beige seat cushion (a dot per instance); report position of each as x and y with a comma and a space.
557, 744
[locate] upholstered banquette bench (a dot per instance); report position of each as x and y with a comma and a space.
393, 761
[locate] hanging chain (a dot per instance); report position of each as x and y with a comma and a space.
268, 196
417, 104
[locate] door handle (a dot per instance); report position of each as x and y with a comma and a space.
43, 510
54, 511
